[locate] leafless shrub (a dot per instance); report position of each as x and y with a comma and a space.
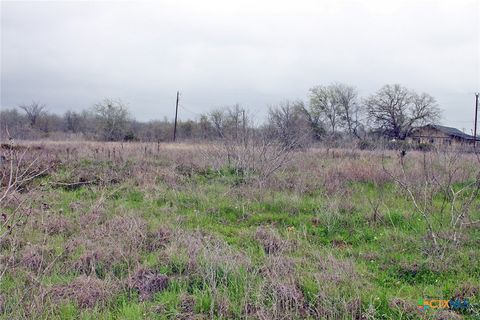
86, 292
440, 174
254, 158
146, 282
270, 240
18, 168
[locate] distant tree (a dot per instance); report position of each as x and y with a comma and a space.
337, 106
287, 123
72, 121
33, 112
396, 111
229, 122
205, 126
156, 130
187, 129
350, 109
234, 120
218, 118
14, 123
314, 120
324, 103
112, 119
49, 123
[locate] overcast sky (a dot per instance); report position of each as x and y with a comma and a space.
71, 54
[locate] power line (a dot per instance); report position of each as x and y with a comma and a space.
192, 112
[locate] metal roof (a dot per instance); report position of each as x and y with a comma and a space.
454, 132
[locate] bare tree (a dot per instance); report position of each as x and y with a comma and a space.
350, 110
315, 122
396, 111
33, 112
235, 119
12, 121
323, 101
288, 124
229, 121
217, 118
205, 126
73, 121
112, 117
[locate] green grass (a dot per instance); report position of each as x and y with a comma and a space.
387, 255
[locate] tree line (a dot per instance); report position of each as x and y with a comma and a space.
332, 112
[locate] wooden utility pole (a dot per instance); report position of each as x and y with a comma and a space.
475, 128
244, 129
176, 114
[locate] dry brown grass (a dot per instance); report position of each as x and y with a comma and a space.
158, 239
56, 224
404, 307
147, 282
86, 292
281, 288
106, 244
36, 258
270, 240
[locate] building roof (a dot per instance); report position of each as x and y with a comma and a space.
453, 132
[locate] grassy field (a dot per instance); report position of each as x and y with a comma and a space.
146, 231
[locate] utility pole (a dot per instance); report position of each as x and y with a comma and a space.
176, 114
244, 129
475, 128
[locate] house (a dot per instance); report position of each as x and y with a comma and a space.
441, 136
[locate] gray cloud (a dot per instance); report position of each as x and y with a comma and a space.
70, 55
